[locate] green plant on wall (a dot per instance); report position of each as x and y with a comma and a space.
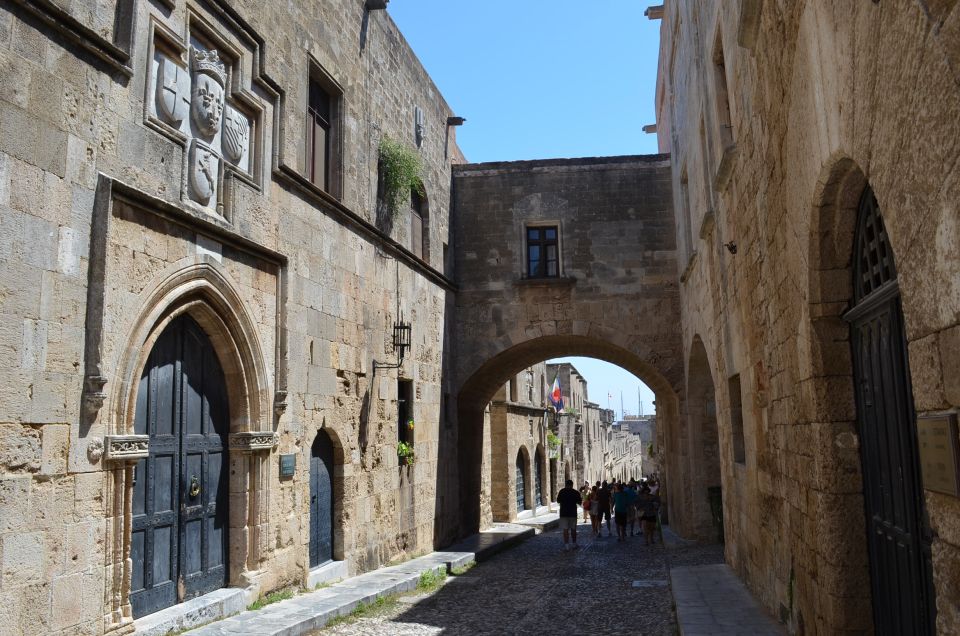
405, 453
401, 168
553, 440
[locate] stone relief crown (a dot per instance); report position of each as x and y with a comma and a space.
208, 62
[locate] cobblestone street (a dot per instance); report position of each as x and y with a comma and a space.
536, 588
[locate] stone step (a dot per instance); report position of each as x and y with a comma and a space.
313, 610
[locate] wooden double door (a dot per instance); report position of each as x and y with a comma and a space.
179, 529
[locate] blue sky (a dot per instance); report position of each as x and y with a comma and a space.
537, 80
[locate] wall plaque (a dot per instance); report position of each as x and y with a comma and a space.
288, 464
937, 436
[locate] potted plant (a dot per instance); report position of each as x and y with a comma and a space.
405, 453
400, 169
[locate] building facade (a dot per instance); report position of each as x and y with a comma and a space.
521, 479
201, 282
815, 190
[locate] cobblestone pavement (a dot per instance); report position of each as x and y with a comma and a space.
536, 588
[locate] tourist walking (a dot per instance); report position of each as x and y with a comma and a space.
595, 510
569, 500
648, 505
622, 501
604, 498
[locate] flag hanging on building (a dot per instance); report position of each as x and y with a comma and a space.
556, 396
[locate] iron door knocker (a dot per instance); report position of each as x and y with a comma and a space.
194, 486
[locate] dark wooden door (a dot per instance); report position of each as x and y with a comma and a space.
179, 530
321, 500
898, 538
521, 485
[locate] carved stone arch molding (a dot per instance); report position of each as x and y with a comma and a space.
205, 292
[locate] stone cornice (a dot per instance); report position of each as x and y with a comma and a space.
124, 448
253, 441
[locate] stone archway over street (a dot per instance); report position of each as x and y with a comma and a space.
561, 257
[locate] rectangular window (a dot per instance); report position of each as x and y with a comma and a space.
321, 131
543, 252
416, 224
405, 411
722, 94
736, 419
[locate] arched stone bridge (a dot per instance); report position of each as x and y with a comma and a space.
612, 293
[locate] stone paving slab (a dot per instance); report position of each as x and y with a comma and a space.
542, 523
711, 600
313, 610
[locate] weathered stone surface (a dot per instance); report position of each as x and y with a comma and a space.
817, 108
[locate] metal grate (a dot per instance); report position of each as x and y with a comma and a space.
873, 264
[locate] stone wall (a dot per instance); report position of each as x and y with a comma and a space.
824, 98
116, 216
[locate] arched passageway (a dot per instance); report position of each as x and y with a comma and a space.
478, 390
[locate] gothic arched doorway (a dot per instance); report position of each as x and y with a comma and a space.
898, 537
521, 482
178, 544
321, 500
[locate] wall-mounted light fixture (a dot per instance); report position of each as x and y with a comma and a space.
377, 5
456, 121
402, 332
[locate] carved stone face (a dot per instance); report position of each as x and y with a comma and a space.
207, 104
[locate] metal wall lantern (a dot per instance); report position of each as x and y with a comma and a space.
401, 337
402, 332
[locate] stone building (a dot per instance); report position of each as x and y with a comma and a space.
521, 479
200, 291
816, 191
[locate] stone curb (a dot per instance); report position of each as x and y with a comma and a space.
313, 610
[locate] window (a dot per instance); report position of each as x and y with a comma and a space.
322, 144
736, 419
722, 95
417, 209
405, 411
542, 252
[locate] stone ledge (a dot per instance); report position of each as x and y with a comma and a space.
327, 573
193, 613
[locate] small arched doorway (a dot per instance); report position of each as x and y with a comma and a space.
178, 545
521, 492
321, 500
898, 538
706, 502
538, 477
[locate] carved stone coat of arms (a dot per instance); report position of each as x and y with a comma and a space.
214, 129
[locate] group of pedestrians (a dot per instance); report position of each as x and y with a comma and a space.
630, 502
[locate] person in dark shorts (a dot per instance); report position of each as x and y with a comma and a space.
622, 500
604, 498
647, 506
569, 500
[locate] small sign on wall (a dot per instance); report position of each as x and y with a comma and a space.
939, 453
288, 465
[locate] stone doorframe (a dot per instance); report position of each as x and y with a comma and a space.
117, 344
202, 291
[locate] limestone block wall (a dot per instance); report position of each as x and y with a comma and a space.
105, 238
824, 98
